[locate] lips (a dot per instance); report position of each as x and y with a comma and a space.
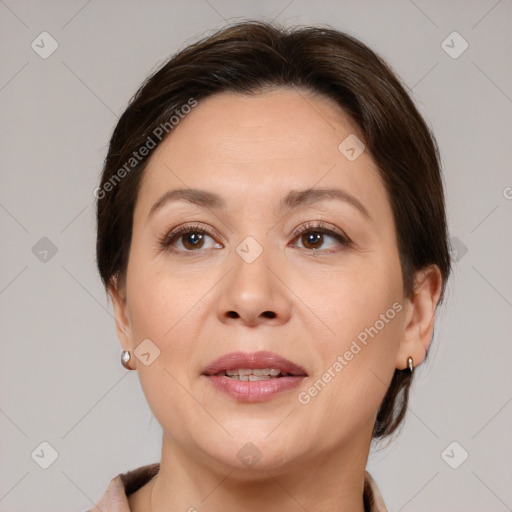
255, 361
255, 377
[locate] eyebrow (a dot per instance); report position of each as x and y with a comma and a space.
294, 199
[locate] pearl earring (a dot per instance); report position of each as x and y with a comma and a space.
125, 358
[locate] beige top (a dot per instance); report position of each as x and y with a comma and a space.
124, 484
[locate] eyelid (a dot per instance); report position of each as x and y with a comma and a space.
164, 242
318, 225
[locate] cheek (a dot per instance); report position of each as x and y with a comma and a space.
351, 299
363, 311
345, 394
161, 310
159, 298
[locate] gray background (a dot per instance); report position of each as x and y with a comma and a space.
61, 380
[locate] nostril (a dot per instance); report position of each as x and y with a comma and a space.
266, 314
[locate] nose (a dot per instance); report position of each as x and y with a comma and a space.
253, 292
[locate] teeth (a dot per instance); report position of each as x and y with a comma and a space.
252, 378
261, 371
260, 377
256, 372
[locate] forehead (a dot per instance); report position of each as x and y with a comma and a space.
281, 140
279, 123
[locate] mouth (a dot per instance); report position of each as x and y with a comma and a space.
253, 377
254, 367
254, 374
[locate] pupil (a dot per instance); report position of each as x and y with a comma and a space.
194, 239
313, 238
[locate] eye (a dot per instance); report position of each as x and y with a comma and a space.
312, 235
191, 237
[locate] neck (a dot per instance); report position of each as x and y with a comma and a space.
328, 482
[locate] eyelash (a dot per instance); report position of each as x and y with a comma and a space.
165, 242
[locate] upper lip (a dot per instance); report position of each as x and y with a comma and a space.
256, 360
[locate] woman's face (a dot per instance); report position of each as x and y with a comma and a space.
255, 272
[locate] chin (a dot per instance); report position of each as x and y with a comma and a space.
253, 451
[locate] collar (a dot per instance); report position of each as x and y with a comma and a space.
124, 484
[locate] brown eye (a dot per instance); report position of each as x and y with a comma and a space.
190, 237
192, 240
313, 236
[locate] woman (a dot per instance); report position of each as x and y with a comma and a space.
272, 233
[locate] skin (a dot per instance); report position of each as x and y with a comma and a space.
252, 150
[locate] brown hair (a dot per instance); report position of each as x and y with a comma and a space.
252, 56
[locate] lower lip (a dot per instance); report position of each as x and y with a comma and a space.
256, 391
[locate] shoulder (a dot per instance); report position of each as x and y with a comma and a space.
373, 499
133, 480
115, 498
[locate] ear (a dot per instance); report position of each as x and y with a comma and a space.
117, 293
420, 317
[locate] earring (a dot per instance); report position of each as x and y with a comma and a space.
125, 358
409, 364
